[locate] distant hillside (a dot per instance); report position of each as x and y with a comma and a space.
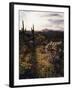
45, 30
48, 34
51, 34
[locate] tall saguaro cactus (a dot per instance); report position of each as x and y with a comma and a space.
33, 54
22, 25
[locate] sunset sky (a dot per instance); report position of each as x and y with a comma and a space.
42, 20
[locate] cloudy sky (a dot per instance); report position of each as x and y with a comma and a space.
42, 20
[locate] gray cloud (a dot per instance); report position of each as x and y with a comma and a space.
56, 21
52, 14
55, 14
